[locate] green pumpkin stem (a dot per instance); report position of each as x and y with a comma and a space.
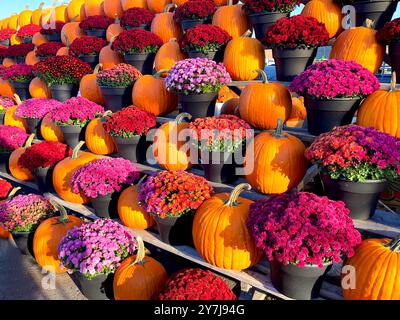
141, 180
393, 82
278, 130
169, 6
263, 75
182, 116
75, 152
159, 74
236, 193
28, 142
63, 218
17, 99
141, 252
395, 244
13, 192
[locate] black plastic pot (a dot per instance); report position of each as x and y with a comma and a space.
99, 288
298, 283
199, 105
19, 59
2, 115
291, 62
99, 33
92, 60
189, 23
26, 40
22, 89
24, 242
105, 206
4, 157
63, 92
394, 54
361, 198
142, 61
262, 21
33, 126
117, 98
43, 178
217, 56
378, 11
72, 134
175, 231
218, 166
56, 37
5, 42
324, 115
145, 26
133, 149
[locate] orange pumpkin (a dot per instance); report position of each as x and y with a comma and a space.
97, 139
113, 30
74, 10
232, 19
275, 162
39, 39
37, 14
179, 2
70, 32
109, 58
225, 94
113, 8
327, 12
15, 40
60, 13
131, 212
94, 8
262, 104
16, 170
157, 6
13, 22
169, 54
63, 51
359, 44
225, 2
158, 100
10, 119
168, 144
165, 26
139, 277
299, 113
230, 107
220, 232
376, 263
128, 4
24, 17
50, 131
89, 88
243, 56
7, 62
381, 110
64, 170
6, 89
39, 89
31, 58
48, 237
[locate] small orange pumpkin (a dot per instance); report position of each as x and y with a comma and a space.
7, 62
109, 58
169, 54
74, 10
10, 119
39, 89
165, 26
16, 170
89, 88
39, 39
71, 31
114, 30
128, 4
50, 131
232, 19
97, 139
31, 58
6, 89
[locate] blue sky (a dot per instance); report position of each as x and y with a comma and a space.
8, 7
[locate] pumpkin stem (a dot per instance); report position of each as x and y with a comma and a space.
67, 40
17, 99
160, 73
116, 20
369, 23
263, 75
13, 192
235, 194
395, 244
182, 116
141, 180
278, 130
141, 252
76, 150
169, 6
28, 142
97, 68
230, 2
247, 34
41, 5
173, 40
63, 218
107, 113
393, 82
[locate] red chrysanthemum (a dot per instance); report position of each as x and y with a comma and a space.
86, 45
195, 10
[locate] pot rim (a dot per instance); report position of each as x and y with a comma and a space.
22, 232
326, 264
332, 99
265, 13
349, 181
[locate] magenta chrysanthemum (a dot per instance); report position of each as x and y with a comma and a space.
36, 108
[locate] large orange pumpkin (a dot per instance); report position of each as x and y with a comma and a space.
64, 170
70, 32
114, 30
220, 232
376, 263
109, 58
359, 44
243, 56
10, 119
31, 58
74, 10
232, 19
169, 54
139, 277
60, 13
16, 170
113, 8
157, 6
94, 8
6, 89
158, 100
39, 39
89, 88
48, 237
50, 131
131, 212
37, 14
327, 12
39, 89
277, 164
165, 26
381, 110
168, 144
128, 4
262, 104
13, 22
97, 139
25, 17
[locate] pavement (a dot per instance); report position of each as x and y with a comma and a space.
21, 278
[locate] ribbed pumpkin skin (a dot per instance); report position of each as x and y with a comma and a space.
98, 140
169, 154
6, 89
90, 90
128, 4
131, 213
39, 39
109, 58
47, 238
168, 55
381, 110
138, 281
31, 58
64, 51
60, 13
220, 234
242, 57
13, 22
94, 8
39, 89
24, 17
113, 8
17, 171
50, 131
165, 27
377, 272
279, 163
158, 100
72, 30
36, 16
360, 45
10, 119
157, 6
232, 19
74, 10
326, 12
262, 104
62, 176
113, 30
